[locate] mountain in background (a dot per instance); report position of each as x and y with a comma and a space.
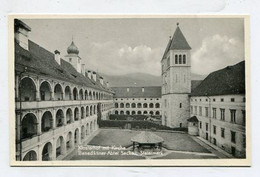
139, 79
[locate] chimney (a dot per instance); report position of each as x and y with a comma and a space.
21, 33
101, 80
94, 76
142, 89
57, 56
89, 74
83, 69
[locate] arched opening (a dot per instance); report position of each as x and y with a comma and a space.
145, 105
76, 137
67, 93
87, 111
87, 129
139, 112
90, 110
30, 156
127, 105
157, 112
90, 95
81, 96
180, 59
151, 105
145, 112
176, 59
47, 152
121, 112
29, 126
45, 91
157, 105
69, 141
83, 133
116, 105
76, 114
28, 89
60, 146
59, 118
86, 95
58, 94
94, 96
82, 112
46, 123
151, 112
184, 59
133, 112
116, 112
94, 109
121, 105
139, 105
133, 105
69, 116
75, 93
127, 112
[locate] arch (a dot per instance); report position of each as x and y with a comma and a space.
151, 112
121, 112
58, 93
139, 112
127, 105
94, 95
30, 156
127, 112
180, 59
90, 95
47, 152
27, 89
87, 111
94, 109
76, 114
83, 132
90, 110
82, 112
116, 105
157, 105
75, 93
139, 105
29, 126
122, 105
133, 112
69, 116
86, 95
59, 118
145, 112
76, 136
81, 95
45, 91
184, 59
60, 146
116, 112
69, 141
67, 93
176, 59
157, 113
46, 122
145, 105
151, 105
133, 105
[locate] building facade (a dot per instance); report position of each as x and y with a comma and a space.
58, 101
137, 100
176, 78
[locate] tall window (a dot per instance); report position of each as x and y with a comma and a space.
233, 137
176, 59
206, 111
214, 129
222, 114
214, 113
200, 111
207, 126
233, 115
222, 132
180, 59
200, 125
180, 105
184, 59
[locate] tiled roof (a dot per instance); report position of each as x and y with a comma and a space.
41, 61
136, 92
147, 137
194, 84
230, 80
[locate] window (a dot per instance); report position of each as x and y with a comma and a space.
200, 111
180, 59
243, 117
200, 125
214, 113
233, 115
184, 59
206, 99
222, 132
207, 126
214, 99
222, 114
180, 105
222, 99
195, 107
233, 137
176, 59
232, 99
214, 129
206, 111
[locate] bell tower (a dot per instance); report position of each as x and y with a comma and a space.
176, 77
73, 56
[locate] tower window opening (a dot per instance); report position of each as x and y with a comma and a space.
176, 59
184, 59
180, 59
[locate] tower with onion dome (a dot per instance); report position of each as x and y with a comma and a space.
176, 77
73, 56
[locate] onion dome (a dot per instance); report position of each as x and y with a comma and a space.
73, 49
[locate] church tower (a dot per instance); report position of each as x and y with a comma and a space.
73, 56
176, 77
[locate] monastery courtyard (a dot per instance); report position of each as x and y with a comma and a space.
176, 145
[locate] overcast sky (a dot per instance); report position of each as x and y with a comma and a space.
121, 46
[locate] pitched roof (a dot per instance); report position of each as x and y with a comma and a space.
136, 92
147, 137
41, 61
195, 83
193, 119
230, 80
